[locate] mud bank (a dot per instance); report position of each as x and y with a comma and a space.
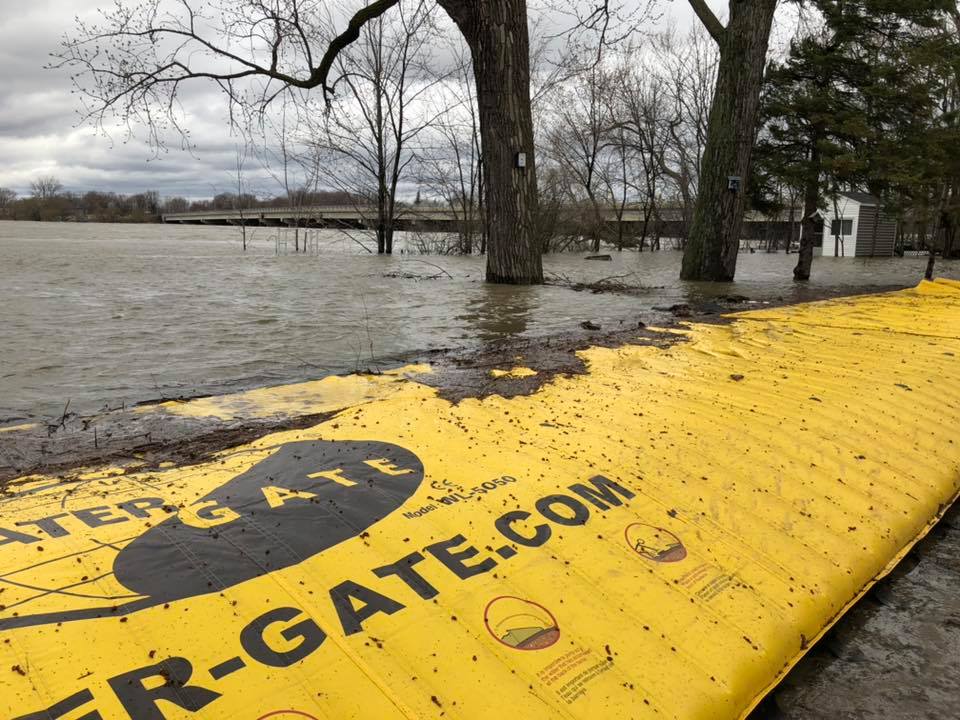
157, 433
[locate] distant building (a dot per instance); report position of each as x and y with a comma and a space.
851, 228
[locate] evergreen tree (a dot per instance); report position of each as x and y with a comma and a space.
857, 105
810, 119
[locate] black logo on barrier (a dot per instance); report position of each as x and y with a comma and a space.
303, 499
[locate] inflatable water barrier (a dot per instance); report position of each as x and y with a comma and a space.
662, 536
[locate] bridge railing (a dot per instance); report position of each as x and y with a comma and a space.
632, 213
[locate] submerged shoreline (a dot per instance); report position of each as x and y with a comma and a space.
109, 316
148, 429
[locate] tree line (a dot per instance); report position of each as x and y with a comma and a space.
505, 132
49, 201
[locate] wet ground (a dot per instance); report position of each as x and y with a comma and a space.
146, 436
896, 654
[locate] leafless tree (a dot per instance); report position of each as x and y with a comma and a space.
616, 175
450, 159
133, 63
240, 155
593, 27
711, 251
688, 71
579, 141
175, 205
7, 197
630, 131
46, 187
643, 126
365, 144
282, 145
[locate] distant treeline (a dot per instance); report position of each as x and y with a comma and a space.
51, 203
48, 201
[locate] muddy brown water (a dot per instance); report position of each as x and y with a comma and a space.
106, 315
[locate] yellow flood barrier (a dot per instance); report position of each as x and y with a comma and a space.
663, 536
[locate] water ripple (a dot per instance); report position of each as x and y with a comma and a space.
104, 314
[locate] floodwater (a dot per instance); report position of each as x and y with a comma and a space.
107, 315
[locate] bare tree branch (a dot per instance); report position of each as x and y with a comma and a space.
137, 56
348, 36
710, 22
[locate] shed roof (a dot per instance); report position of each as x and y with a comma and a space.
862, 198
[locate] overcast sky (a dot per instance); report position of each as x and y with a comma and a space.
38, 116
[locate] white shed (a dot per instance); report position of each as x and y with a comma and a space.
854, 227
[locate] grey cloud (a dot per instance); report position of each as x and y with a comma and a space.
28, 114
38, 119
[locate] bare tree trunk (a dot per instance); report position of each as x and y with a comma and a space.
950, 234
711, 250
811, 200
496, 31
938, 227
792, 231
382, 218
838, 249
875, 230
388, 227
687, 222
239, 201
482, 206
932, 255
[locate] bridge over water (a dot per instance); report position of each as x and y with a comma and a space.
352, 216
668, 218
